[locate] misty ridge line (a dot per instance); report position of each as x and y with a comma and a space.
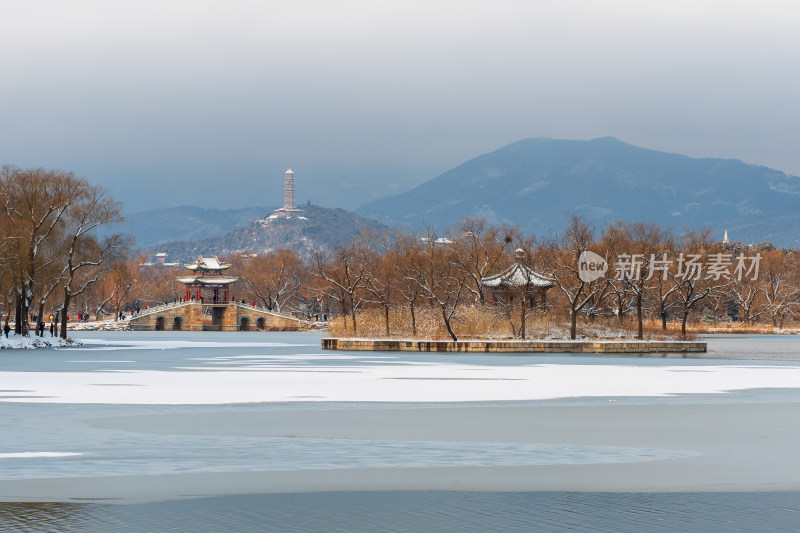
537, 183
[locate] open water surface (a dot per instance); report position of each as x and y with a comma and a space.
421, 512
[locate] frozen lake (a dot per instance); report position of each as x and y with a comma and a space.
137, 417
169, 368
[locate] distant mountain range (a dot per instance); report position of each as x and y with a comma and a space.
538, 183
534, 183
312, 228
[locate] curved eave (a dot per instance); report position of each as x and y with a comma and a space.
194, 267
533, 285
518, 276
217, 280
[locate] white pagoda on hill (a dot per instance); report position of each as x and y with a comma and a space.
289, 205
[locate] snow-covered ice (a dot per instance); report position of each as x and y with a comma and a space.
106, 344
442, 382
28, 455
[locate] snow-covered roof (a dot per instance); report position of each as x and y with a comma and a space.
518, 275
289, 171
208, 280
207, 263
440, 240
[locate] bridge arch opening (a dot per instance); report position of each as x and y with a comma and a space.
177, 323
244, 324
160, 323
261, 324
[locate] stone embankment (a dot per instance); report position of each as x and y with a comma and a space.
513, 346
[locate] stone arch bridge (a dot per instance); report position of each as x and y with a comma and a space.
201, 316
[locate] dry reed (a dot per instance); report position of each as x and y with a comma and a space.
476, 322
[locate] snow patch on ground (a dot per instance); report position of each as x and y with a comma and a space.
29, 343
104, 325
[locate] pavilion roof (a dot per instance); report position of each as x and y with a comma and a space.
208, 263
518, 275
208, 280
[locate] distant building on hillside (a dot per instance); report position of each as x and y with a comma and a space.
160, 260
441, 241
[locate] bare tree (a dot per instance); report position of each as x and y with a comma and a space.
381, 278
343, 271
781, 282
274, 278
34, 203
649, 245
117, 286
480, 249
562, 256
440, 279
86, 255
615, 242
695, 275
408, 250
744, 293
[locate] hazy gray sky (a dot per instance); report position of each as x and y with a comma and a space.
207, 103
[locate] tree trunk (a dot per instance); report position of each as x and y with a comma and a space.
683, 322
18, 319
41, 318
522, 317
663, 320
24, 315
447, 324
8, 309
64, 313
413, 320
640, 335
353, 312
573, 330
386, 317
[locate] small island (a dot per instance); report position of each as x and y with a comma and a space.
469, 292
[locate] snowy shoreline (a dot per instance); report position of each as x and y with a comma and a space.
30, 343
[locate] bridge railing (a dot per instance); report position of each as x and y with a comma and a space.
159, 308
242, 305
264, 309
